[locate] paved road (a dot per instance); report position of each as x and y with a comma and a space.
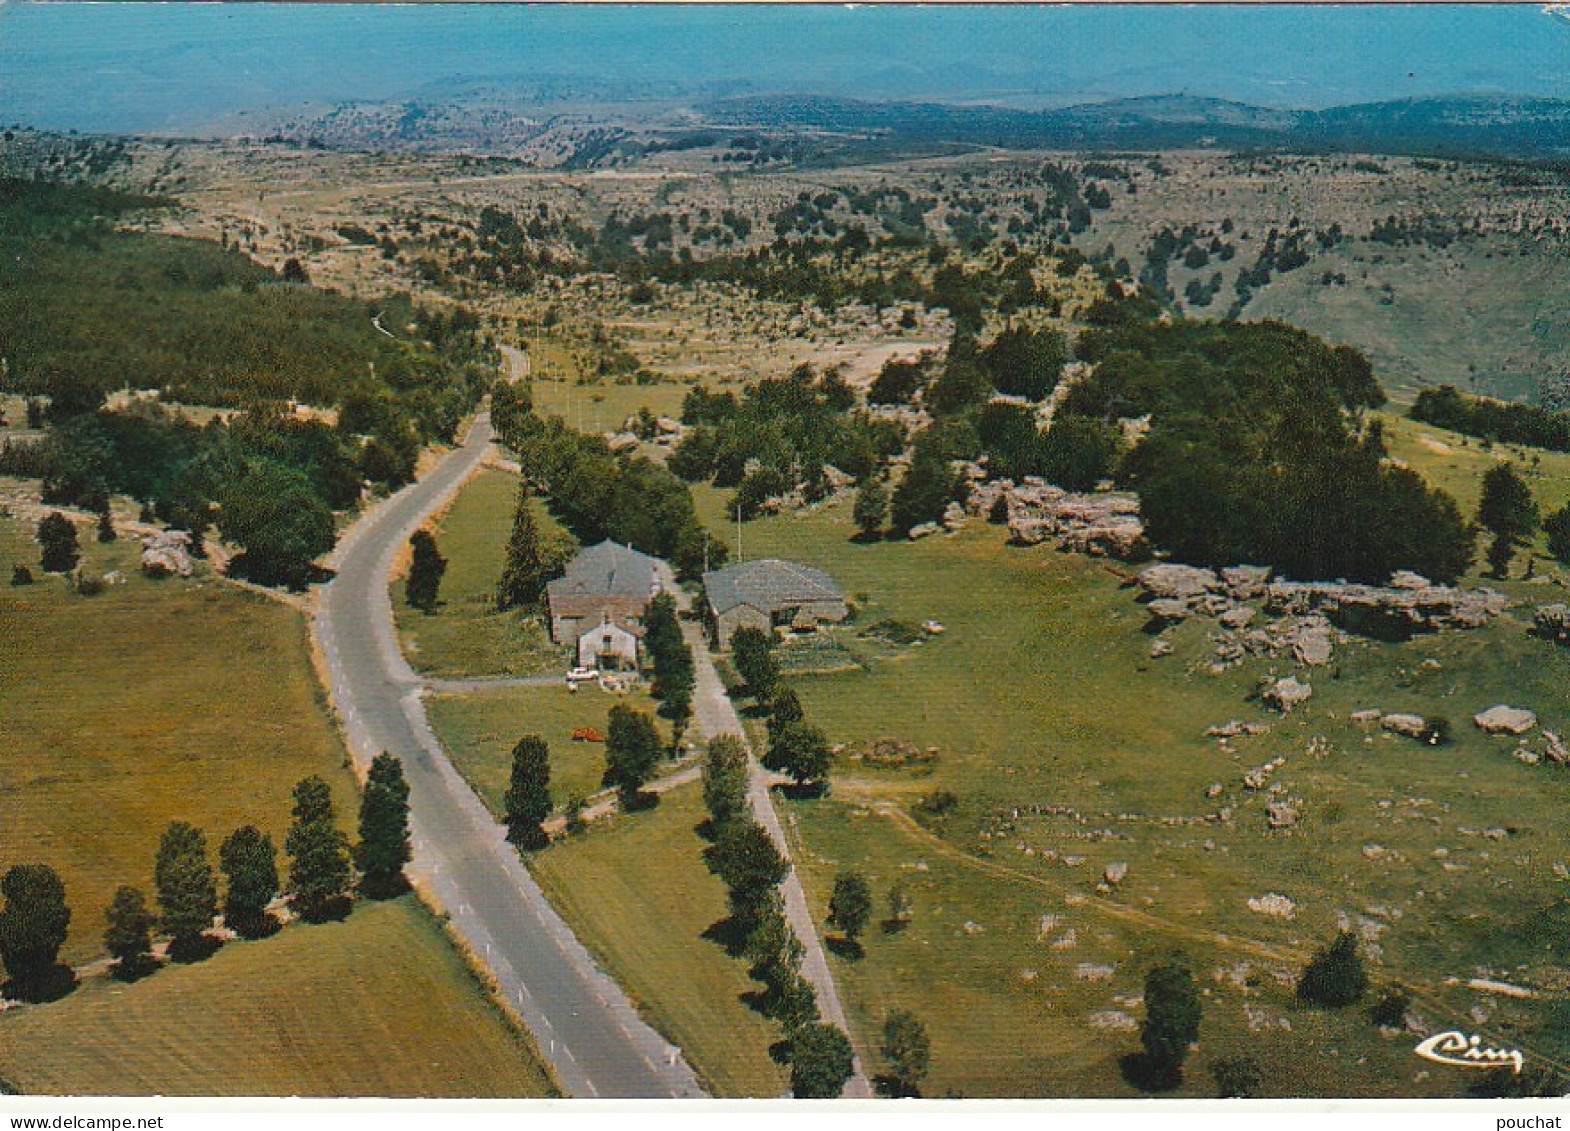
713, 713
584, 1024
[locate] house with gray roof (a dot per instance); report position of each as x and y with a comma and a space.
768, 594
599, 602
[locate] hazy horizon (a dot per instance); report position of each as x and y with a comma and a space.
159, 68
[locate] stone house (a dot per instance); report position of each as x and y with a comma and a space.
598, 604
610, 645
769, 594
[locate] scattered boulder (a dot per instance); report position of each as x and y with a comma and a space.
1238, 617
1115, 873
1286, 694
1283, 814
922, 530
1505, 720
1274, 905
1166, 610
1555, 749
1104, 524
1312, 645
1171, 581
1113, 1020
1093, 972
1245, 582
1553, 623
1412, 726
167, 554
1235, 727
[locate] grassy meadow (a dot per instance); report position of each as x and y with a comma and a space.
1069, 749
466, 636
338, 1009
636, 892
124, 709
479, 729
194, 700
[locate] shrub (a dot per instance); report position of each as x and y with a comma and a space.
1237, 1077
1389, 1012
1335, 976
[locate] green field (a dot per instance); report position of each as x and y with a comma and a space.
466, 636
377, 1005
1457, 463
123, 710
636, 892
480, 729
194, 700
1041, 693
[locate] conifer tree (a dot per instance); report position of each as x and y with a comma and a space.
426, 567
632, 750
384, 846
319, 866
527, 565
33, 926
187, 890
528, 800
129, 938
250, 866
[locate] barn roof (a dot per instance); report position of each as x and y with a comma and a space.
768, 586
608, 569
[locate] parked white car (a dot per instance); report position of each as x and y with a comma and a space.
582, 675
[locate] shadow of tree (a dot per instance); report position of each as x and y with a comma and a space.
727, 934
1141, 1071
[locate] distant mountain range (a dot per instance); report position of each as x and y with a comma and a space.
551, 119
1462, 125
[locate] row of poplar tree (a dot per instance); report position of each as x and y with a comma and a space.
324, 872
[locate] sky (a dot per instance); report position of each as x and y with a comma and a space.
165, 68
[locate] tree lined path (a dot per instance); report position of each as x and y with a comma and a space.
713, 714
584, 1024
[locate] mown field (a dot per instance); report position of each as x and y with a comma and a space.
123, 710
1041, 693
340, 1009
193, 700
636, 892
466, 636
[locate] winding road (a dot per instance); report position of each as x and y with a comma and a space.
583, 1023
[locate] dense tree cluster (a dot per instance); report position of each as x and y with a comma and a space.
782, 434
203, 324
1488, 419
34, 917
1257, 451
744, 857
599, 495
